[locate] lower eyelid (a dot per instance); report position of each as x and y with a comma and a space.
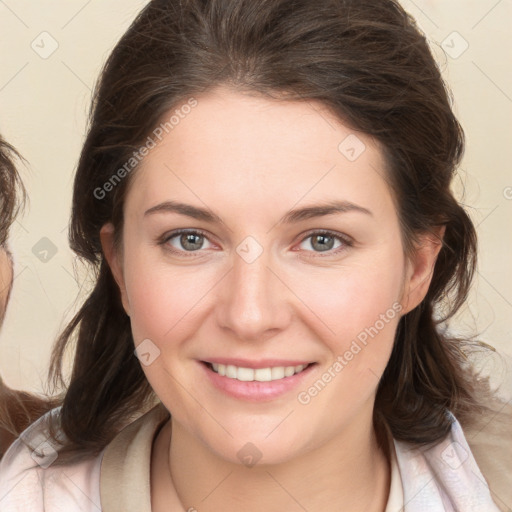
345, 242
167, 239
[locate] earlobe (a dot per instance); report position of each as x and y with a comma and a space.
420, 268
112, 257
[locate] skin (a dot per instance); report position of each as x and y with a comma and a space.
6, 277
250, 160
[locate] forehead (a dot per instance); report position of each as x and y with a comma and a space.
231, 145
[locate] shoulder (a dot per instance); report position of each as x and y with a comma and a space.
30, 478
490, 441
125, 470
443, 475
490, 434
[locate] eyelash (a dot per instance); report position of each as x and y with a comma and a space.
346, 241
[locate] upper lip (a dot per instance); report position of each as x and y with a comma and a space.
261, 363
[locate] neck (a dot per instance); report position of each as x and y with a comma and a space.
349, 473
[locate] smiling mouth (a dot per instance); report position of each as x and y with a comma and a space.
259, 374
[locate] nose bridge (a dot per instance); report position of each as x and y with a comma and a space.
254, 300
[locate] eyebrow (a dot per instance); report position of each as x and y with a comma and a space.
291, 217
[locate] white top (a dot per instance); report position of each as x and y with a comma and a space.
444, 478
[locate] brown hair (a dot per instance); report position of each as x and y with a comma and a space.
11, 188
17, 409
367, 61
12, 192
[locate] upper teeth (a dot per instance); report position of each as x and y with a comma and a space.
259, 374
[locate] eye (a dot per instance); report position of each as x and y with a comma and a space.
189, 241
184, 240
323, 241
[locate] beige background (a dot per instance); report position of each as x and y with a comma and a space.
44, 99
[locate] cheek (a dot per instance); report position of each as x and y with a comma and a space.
164, 300
5, 279
355, 297
359, 316
358, 311
342, 301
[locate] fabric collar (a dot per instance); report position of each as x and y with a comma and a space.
442, 478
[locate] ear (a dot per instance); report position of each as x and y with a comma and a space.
114, 261
420, 268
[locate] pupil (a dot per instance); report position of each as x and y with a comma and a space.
189, 238
323, 245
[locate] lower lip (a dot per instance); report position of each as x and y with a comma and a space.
256, 391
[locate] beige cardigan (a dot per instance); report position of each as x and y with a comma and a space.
118, 479
125, 486
125, 469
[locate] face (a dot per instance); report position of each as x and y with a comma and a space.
5, 280
254, 289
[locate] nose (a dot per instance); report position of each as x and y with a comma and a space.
254, 302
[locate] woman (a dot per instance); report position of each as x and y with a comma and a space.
12, 195
297, 362
17, 409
